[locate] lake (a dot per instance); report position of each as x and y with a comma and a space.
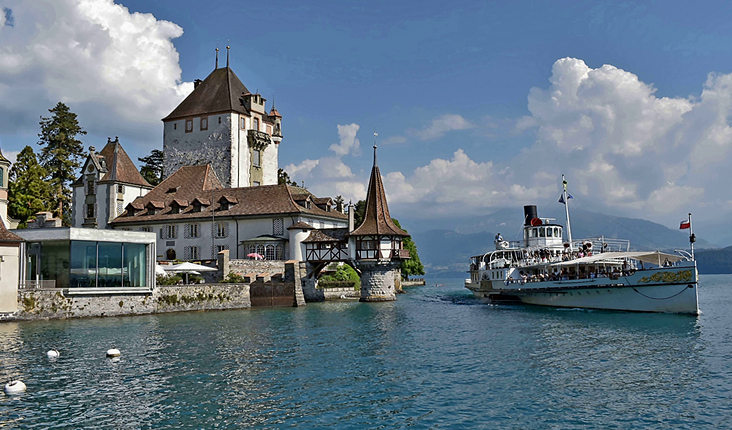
435, 358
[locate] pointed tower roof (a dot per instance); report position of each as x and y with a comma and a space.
221, 91
119, 166
376, 220
2, 157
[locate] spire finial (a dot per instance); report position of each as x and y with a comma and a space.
227, 53
376, 135
217, 56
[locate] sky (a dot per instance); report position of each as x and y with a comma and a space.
478, 106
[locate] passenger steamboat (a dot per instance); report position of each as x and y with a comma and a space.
594, 273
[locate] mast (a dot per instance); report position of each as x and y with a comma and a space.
692, 238
566, 210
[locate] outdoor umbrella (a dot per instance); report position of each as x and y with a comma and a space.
188, 267
255, 256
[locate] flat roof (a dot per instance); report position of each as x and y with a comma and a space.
90, 234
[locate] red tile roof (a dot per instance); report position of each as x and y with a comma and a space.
7, 237
198, 183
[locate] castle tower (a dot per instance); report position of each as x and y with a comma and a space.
223, 124
4, 183
109, 181
376, 245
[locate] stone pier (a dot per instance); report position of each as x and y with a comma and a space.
378, 280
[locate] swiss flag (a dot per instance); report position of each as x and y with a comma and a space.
685, 224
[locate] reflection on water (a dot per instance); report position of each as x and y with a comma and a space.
436, 358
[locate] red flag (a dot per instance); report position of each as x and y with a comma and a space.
685, 224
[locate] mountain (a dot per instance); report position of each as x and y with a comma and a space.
445, 253
714, 261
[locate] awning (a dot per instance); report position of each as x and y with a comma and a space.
654, 257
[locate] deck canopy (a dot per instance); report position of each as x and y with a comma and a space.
653, 257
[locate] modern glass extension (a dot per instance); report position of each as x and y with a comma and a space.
60, 260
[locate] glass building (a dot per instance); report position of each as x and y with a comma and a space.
88, 258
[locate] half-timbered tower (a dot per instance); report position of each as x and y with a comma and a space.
376, 245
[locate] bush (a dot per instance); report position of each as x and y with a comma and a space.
233, 278
168, 280
342, 273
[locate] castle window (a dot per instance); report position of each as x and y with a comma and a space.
220, 248
192, 230
120, 188
256, 184
90, 210
170, 254
243, 122
120, 207
219, 120
256, 155
189, 125
221, 229
204, 123
147, 229
91, 188
175, 126
169, 232
2, 171
255, 124
191, 253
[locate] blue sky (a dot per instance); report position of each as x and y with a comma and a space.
479, 106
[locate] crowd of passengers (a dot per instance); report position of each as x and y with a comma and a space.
568, 274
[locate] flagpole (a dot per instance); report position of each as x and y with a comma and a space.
566, 210
692, 238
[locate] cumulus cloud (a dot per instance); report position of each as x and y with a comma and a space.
349, 144
111, 67
441, 125
624, 150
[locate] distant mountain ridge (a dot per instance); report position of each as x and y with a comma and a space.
445, 252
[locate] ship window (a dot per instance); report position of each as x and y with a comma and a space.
541, 232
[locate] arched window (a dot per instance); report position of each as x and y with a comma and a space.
260, 249
170, 254
270, 252
279, 252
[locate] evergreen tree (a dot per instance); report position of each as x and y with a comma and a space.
284, 179
152, 169
360, 213
28, 193
339, 202
61, 155
413, 266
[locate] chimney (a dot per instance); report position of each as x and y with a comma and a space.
351, 216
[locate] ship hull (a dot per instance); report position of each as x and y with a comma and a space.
644, 291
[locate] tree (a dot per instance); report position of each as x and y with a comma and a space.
360, 213
61, 155
28, 193
284, 179
411, 267
152, 169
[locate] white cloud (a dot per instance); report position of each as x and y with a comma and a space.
111, 67
349, 144
442, 125
393, 140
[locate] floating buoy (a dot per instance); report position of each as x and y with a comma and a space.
114, 352
53, 353
14, 387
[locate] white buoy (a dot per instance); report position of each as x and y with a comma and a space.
14, 387
53, 353
114, 352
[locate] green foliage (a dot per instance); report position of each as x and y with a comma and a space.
167, 280
233, 278
411, 267
342, 273
284, 179
152, 167
339, 201
61, 155
360, 213
28, 193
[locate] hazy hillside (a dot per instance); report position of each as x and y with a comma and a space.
714, 261
445, 253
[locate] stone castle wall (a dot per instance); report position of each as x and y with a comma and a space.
379, 280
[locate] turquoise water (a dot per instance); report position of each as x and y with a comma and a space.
434, 359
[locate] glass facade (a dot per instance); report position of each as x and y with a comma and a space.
88, 264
